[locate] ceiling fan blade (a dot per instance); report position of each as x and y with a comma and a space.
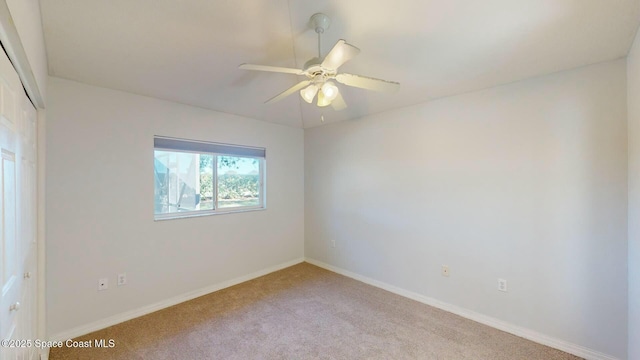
288, 92
340, 54
338, 103
271, 69
368, 83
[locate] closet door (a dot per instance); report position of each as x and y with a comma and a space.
18, 297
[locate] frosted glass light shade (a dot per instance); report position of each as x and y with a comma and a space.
330, 91
309, 93
322, 100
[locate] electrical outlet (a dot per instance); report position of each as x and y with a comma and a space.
122, 279
445, 270
333, 243
103, 284
502, 285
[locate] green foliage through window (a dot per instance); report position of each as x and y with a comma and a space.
180, 186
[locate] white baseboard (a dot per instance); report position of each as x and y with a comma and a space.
565, 346
116, 319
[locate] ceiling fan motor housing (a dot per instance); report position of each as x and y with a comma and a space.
316, 72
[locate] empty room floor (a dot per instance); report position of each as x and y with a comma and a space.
305, 312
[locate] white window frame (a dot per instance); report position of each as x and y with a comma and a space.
163, 143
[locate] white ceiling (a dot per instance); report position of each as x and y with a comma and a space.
188, 51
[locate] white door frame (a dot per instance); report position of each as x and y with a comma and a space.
13, 46
14, 49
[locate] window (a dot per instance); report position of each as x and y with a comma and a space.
195, 178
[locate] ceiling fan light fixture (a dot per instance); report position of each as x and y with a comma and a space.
330, 91
322, 100
309, 93
319, 70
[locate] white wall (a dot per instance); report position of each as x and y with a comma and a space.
27, 19
99, 180
526, 182
633, 103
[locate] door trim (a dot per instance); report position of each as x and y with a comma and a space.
15, 51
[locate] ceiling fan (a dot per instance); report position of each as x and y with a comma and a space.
320, 72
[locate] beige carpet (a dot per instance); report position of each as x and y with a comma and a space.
304, 312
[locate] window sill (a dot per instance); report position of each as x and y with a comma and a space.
195, 214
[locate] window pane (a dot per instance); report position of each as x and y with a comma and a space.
177, 182
238, 181
192, 180
206, 182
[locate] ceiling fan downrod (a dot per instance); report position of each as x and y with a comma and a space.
319, 22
